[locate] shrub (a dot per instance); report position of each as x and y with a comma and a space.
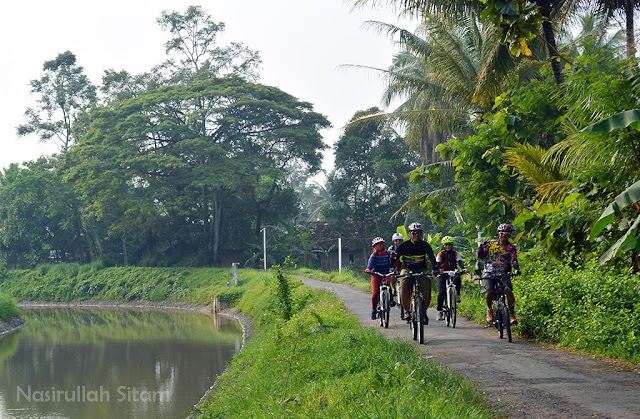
8, 307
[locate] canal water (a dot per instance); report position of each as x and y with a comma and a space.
77, 363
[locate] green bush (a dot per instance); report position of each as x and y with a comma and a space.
8, 308
595, 308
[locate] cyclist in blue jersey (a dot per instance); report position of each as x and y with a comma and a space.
380, 263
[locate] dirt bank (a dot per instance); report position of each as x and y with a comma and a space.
10, 326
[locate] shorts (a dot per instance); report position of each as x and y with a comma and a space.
490, 281
425, 283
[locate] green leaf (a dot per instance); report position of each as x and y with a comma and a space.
614, 122
624, 243
570, 198
523, 217
547, 209
629, 196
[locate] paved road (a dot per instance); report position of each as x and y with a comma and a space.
522, 379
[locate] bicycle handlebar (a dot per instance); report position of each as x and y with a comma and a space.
381, 274
413, 275
454, 273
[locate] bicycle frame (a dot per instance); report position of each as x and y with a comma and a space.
416, 304
500, 309
450, 306
384, 302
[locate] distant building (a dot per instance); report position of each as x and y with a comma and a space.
355, 247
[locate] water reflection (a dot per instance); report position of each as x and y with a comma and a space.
71, 363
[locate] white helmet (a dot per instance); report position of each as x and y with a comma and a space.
415, 226
397, 236
377, 240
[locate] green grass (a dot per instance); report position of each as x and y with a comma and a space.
8, 308
322, 363
73, 282
359, 281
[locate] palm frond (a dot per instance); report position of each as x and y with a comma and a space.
543, 174
418, 200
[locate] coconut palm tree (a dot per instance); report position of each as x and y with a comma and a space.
628, 8
446, 73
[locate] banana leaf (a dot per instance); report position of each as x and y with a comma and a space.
627, 242
630, 118
628, 197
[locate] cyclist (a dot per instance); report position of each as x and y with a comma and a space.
501, 258
447, 260
380, 262
397, 240
413, 255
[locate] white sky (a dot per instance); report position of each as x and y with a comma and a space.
301, 43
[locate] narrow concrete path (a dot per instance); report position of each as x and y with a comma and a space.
523, 379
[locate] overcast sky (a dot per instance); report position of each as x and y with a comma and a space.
301, 42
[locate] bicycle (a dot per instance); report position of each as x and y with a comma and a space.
500, 309
418, 314
450, 306
384, 302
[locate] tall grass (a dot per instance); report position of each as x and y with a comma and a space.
322, 363
8, 308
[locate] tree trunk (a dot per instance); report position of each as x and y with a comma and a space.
217, 222
424, 140
629, 8
125, 256
549, 37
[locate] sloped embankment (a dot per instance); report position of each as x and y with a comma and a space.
11, 325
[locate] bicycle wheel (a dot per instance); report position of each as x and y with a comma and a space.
499, 318
449, 304
507, 322
386, 308
454, 308
421, 317
414, 318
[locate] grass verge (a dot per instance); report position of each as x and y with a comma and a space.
322, 363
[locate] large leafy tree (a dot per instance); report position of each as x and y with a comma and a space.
63, 94
370, 178
191, 151
39, 216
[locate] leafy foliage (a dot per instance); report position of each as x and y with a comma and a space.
8, 307
72, 282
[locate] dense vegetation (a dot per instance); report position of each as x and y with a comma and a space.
73, 282
159, 168
321, 363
